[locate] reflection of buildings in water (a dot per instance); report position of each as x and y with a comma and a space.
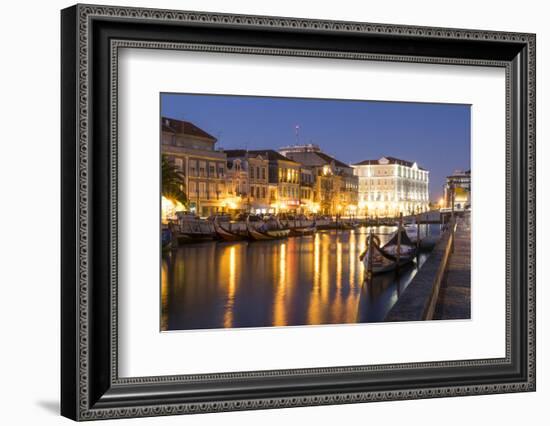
164, 298
298, 281
279, 308
231, 288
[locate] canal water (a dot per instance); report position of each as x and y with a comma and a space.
306, 280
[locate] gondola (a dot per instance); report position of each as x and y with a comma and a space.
227, 235
263, 233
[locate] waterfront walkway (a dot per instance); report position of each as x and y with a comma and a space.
454, 296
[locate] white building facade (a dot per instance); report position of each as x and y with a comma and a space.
389, 186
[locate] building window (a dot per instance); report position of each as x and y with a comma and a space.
212, 190
211, 171
178, 162
263, 173
252, 173
220, 171
202, 189
193, 168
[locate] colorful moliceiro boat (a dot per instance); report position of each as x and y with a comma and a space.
227, 234
299, 231
384, 259
266, 231
407, 247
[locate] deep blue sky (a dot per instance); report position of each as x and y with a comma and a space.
436, 136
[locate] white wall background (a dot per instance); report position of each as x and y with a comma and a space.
29, 211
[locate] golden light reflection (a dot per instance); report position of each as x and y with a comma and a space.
314, 310
325, 277
304, 280
352, 258
337, 305
362, 246
232, 280
164, 296
279, 310
316, 262
338, 264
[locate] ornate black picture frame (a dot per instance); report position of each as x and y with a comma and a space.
91, 37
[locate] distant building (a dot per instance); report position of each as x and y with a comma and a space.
247, 181
283, 181
457, 189
192, 151
389, 186
335, 185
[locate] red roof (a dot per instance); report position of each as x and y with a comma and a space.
184, 127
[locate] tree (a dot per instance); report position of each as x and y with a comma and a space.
173, 182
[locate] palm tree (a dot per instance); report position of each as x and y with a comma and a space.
173, 182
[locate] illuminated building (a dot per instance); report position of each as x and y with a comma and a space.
335, 185
247, 181
192, 151
457, 189
389, 186
307, 192
283, 181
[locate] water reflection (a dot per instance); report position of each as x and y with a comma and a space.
304, 280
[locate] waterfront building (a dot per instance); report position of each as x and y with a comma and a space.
192, 150
335, 185
283, 181
307, 192
247, 181
389, 186
457, 190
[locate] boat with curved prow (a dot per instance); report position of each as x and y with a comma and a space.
380, 261
226, 234
302, 231
264, 232
401, 242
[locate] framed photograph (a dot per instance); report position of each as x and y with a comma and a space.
263, 212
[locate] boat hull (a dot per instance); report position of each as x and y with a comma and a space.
275, 234
186, 238
300, 232
226, 235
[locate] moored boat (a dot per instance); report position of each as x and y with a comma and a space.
377, 261
194, 231
348, 225
399, 245
226, 234
300, 231
265, 232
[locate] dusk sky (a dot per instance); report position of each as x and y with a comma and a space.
436, 136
